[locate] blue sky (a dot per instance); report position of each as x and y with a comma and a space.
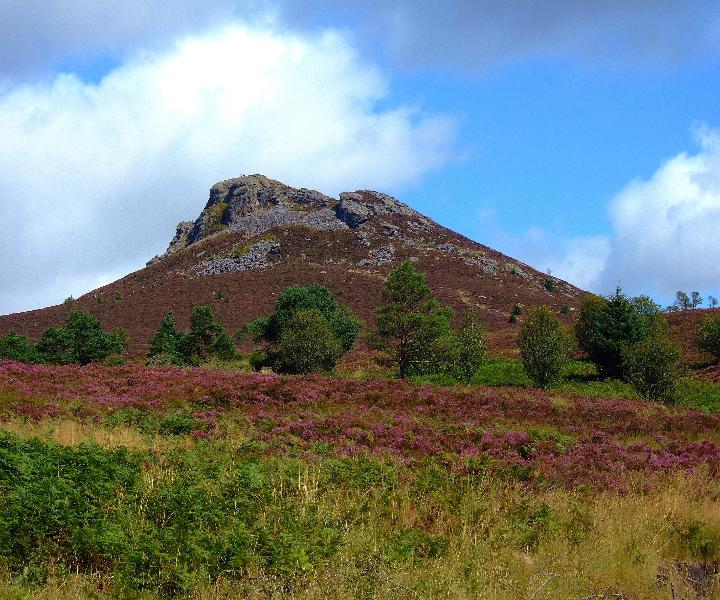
579, 137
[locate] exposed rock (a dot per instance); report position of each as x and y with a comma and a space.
475, 258
260, 255
179, 241
383, 255
356, 208
254, 203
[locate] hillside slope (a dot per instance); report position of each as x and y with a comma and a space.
256, 236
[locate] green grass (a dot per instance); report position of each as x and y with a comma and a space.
580, 377
216, 519
697, 393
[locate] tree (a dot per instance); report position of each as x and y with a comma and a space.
344, 324
607, 327
207, 337
469, 347
712, 301
307, 344
224, 347
277, 333
89, 343
56, 346
544, 346
696, 299
412, 324
653, 367
682, 300
205, 331
708, 336
14, 346
165, 345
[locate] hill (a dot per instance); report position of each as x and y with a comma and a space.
256, 236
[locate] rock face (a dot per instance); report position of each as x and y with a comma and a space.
254, 204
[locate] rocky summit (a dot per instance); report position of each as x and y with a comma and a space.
253, 204
256, 236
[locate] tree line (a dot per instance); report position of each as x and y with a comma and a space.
309, 331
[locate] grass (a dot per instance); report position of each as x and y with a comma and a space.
128, 482
581, 377
213, 521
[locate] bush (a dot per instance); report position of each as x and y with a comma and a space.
469, 348
544, 346
310, 308
307, 344
708, 336
207, 338
56, 346
607, 327
165, 340
345, 325
258, 359
653, 367
14, 346
89, 343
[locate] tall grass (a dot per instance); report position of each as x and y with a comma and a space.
213, 521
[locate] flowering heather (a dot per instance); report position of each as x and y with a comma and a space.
524, 433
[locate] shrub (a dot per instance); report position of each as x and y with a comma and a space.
89, 342
544, 346
275, 330
258, 359
14, 346
165, 340
607, 327
549, 285
207, 337
708, 336
653, 367
224, 347
469, 348
56, 346
565, 309
307, 344
344, 324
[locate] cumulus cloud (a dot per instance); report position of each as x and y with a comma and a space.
665, 228
664, 233
95, 175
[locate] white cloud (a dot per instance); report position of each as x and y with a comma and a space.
664, 232
95, 176
665, 228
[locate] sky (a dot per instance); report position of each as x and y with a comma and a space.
581, 138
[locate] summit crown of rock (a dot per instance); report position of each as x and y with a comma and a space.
255, 203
